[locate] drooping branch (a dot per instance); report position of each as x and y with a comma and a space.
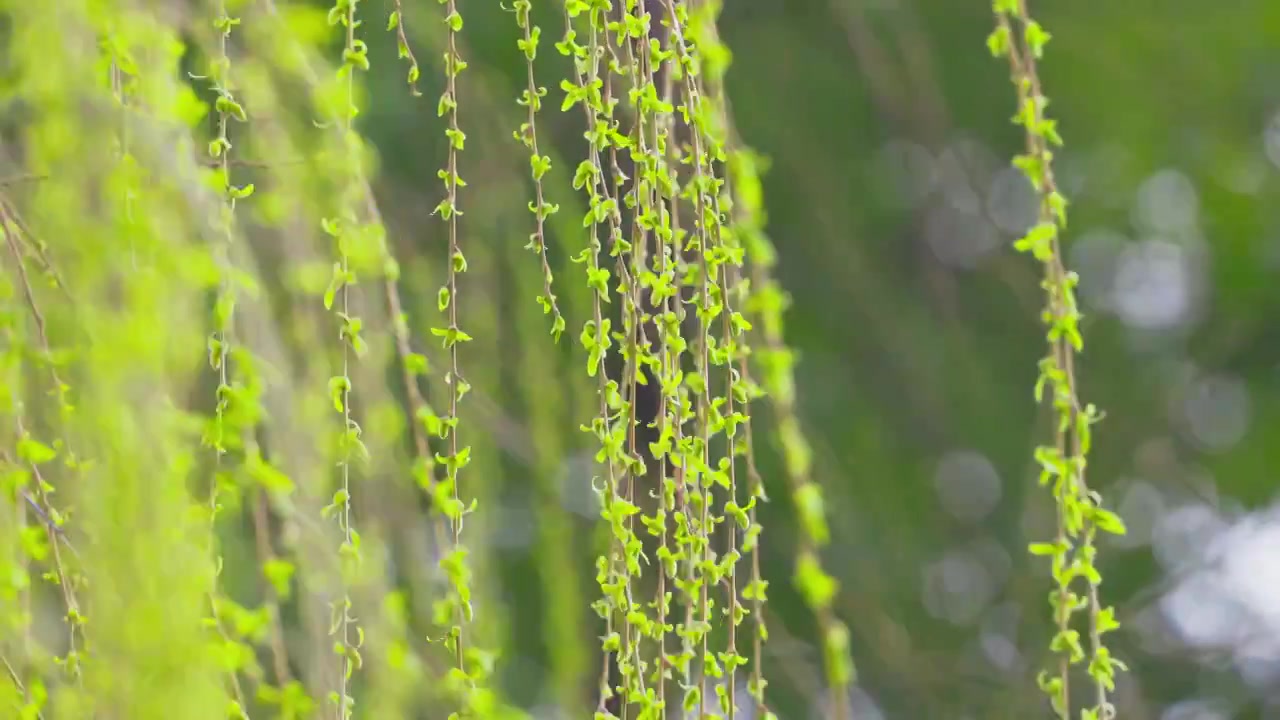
1080, 515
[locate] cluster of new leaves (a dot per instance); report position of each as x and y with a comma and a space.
41, 543
236, 410
472, 665
1020, 39
352, 236
647, 78
765, 302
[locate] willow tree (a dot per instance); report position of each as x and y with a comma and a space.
219, 354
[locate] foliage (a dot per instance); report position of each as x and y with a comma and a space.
234, 456
1080, 515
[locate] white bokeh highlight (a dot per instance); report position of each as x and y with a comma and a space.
958, 587
967, 484
1197, 710
958, 237
1223, 596
1166, 204
908, 170
998, 636
577, 494
1216, 411
1142, 506
1095, 255
1153, 285
965, 169
1012, 203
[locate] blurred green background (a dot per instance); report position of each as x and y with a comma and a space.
894, 209
893, 206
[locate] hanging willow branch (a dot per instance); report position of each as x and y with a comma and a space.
1080, 515
679, 278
